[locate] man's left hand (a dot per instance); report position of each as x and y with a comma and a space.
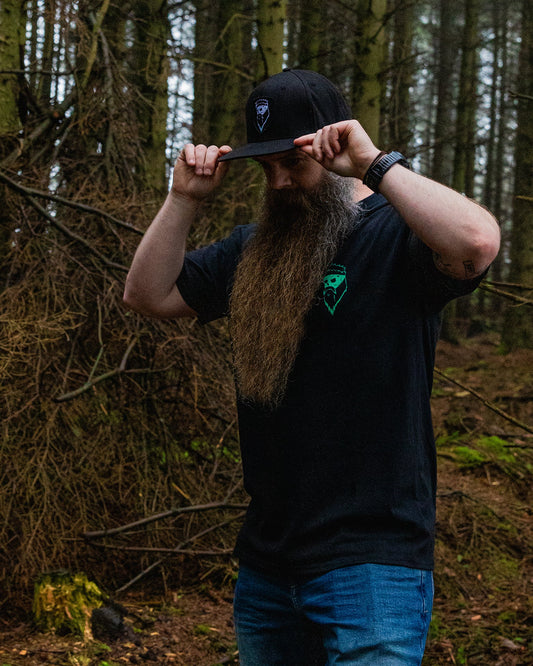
344, 148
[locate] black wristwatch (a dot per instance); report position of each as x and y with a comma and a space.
376, 171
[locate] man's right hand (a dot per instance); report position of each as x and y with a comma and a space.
197, 171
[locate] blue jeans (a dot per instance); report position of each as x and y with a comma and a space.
367, 614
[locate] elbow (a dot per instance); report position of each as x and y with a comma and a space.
131, 299
487, 245
127, 299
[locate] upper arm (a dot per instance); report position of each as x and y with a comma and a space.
206, 278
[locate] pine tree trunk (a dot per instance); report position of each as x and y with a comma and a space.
206, 13
311, 27
442, 164
464, 153
271, 15
368, 65
11, 35
463, 180
490, 184
221, 84
224, 72
151, 74
518, 329
45, 79
401, 76
502, 140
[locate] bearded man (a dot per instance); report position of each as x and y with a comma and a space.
333, 300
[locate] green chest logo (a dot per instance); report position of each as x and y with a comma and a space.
335, 286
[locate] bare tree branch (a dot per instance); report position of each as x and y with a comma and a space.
176, 550
510, 285
67, 202
486, 402
159, 516
54, 116
511, 297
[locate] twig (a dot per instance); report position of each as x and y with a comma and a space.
512, 93
462, 495
160, 516
486, 402
73, 236
91, 58
506, 294
55, 115
169, 551
107, 375
49, 72
154, 565
67, 202
511, 285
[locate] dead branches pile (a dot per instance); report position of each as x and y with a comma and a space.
106, 417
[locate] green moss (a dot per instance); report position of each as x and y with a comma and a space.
502, 570
497, 447
507, 617
63, 603
469, 458
203, 630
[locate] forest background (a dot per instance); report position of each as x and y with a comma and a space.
115, 423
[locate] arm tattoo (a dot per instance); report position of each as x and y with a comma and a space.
470, 271
439, 263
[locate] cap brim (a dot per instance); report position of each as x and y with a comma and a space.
259, 148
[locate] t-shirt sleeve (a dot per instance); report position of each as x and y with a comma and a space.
207, 275
436, 288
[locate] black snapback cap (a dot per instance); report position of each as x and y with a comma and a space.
286, 106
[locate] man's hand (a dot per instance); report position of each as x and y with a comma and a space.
344, 148
197, 171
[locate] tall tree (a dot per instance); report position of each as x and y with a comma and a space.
271, 15
464, 159
150, 75
222, 73
401, 75
11, 37
45, 81
11, 34
311, 33
518, 330
368, 62
442, 163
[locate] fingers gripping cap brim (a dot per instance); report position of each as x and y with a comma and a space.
258, 149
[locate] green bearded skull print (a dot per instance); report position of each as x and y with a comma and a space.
335, 286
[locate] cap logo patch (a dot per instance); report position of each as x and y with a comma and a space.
262, 113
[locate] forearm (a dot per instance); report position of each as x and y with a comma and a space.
151, 281
464, 236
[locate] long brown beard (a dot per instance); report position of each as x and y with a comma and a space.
277, 281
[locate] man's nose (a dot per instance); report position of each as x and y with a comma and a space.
280, 179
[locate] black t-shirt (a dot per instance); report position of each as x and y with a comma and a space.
344, 471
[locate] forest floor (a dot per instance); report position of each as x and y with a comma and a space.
483, 610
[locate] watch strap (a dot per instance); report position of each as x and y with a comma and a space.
379, 168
